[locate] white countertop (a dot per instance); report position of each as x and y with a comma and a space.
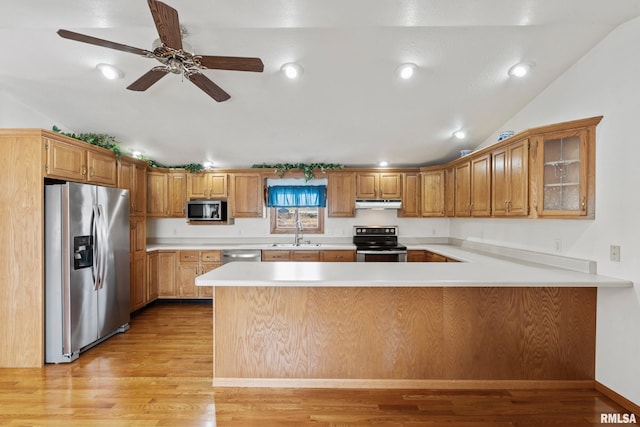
476, 269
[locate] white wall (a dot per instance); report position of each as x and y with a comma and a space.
605, 82
339, 229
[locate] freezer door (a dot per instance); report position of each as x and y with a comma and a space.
113, 253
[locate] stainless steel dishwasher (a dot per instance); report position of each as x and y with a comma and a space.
241, 255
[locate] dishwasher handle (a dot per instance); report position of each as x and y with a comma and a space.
250, 256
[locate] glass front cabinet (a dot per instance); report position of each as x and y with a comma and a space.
563, 173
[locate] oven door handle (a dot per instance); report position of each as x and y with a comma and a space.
392, 252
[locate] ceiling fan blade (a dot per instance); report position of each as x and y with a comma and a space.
209, 87
235, 63
167, 23
100, 42
148, 79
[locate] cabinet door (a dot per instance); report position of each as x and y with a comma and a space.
565, 171
177, 194
499, 182
102, 168
196, 186
341, 194
153, 275
205, 267
338, 256
450, 191
217, 185
433, 193
389, 185
64, 160
138, 235
247, 190
125, 180
463, 189
518, 166
139, 196
138, 289
481, 186
415, 256
166, 277
157, 194
305, 256
411, 196
366, 185
186, 279
276, 256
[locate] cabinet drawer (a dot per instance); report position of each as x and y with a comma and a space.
189, 256
338, 256
434, 257
305, 256
276, 255
210, 256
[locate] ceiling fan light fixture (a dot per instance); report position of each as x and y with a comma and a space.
109, 71
406, 71
521, 69
292, 70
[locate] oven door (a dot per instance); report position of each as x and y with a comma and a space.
381, 256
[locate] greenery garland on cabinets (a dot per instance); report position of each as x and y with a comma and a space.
307, 169
110, 143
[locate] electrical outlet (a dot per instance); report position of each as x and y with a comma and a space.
614, 253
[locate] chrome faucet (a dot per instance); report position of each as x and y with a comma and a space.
298, 235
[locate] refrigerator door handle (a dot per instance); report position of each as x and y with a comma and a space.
95, 232
103, 248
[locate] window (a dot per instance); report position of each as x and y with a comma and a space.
283, 220
297, 204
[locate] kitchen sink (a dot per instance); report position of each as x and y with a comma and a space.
293, 245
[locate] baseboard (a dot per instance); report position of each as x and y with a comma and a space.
403, 384
619, 399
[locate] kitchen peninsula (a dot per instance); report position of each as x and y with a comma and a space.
481, 322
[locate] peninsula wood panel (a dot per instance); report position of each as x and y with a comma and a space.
21, 234
482, 334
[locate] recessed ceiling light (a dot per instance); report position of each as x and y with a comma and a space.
406, 71
110, 72
383, 164
521, 69
459, 134
292, 70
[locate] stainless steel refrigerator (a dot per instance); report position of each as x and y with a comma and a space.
86, 267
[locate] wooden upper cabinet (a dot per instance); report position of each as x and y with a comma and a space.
157, 194
473, 187
132, 176
433, 196
449, 191
510, 180
411, 195
378, 185
247, 195
79, 161
481, 186
206, 185
102, 168
177, 197
341, 194
563, 173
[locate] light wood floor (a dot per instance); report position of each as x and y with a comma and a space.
159, 374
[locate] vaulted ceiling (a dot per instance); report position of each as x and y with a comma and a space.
349, 106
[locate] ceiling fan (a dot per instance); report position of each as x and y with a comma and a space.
172, 55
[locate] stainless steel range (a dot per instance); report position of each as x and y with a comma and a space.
378, 243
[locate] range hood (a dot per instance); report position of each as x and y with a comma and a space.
378, 204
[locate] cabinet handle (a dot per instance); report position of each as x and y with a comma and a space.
84, 171
92, 172
584, 203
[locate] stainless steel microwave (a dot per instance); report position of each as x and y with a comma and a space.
206, 210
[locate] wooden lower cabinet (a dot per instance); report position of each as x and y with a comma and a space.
338, 256
190, 265
138, 283
416, 255
309, 255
